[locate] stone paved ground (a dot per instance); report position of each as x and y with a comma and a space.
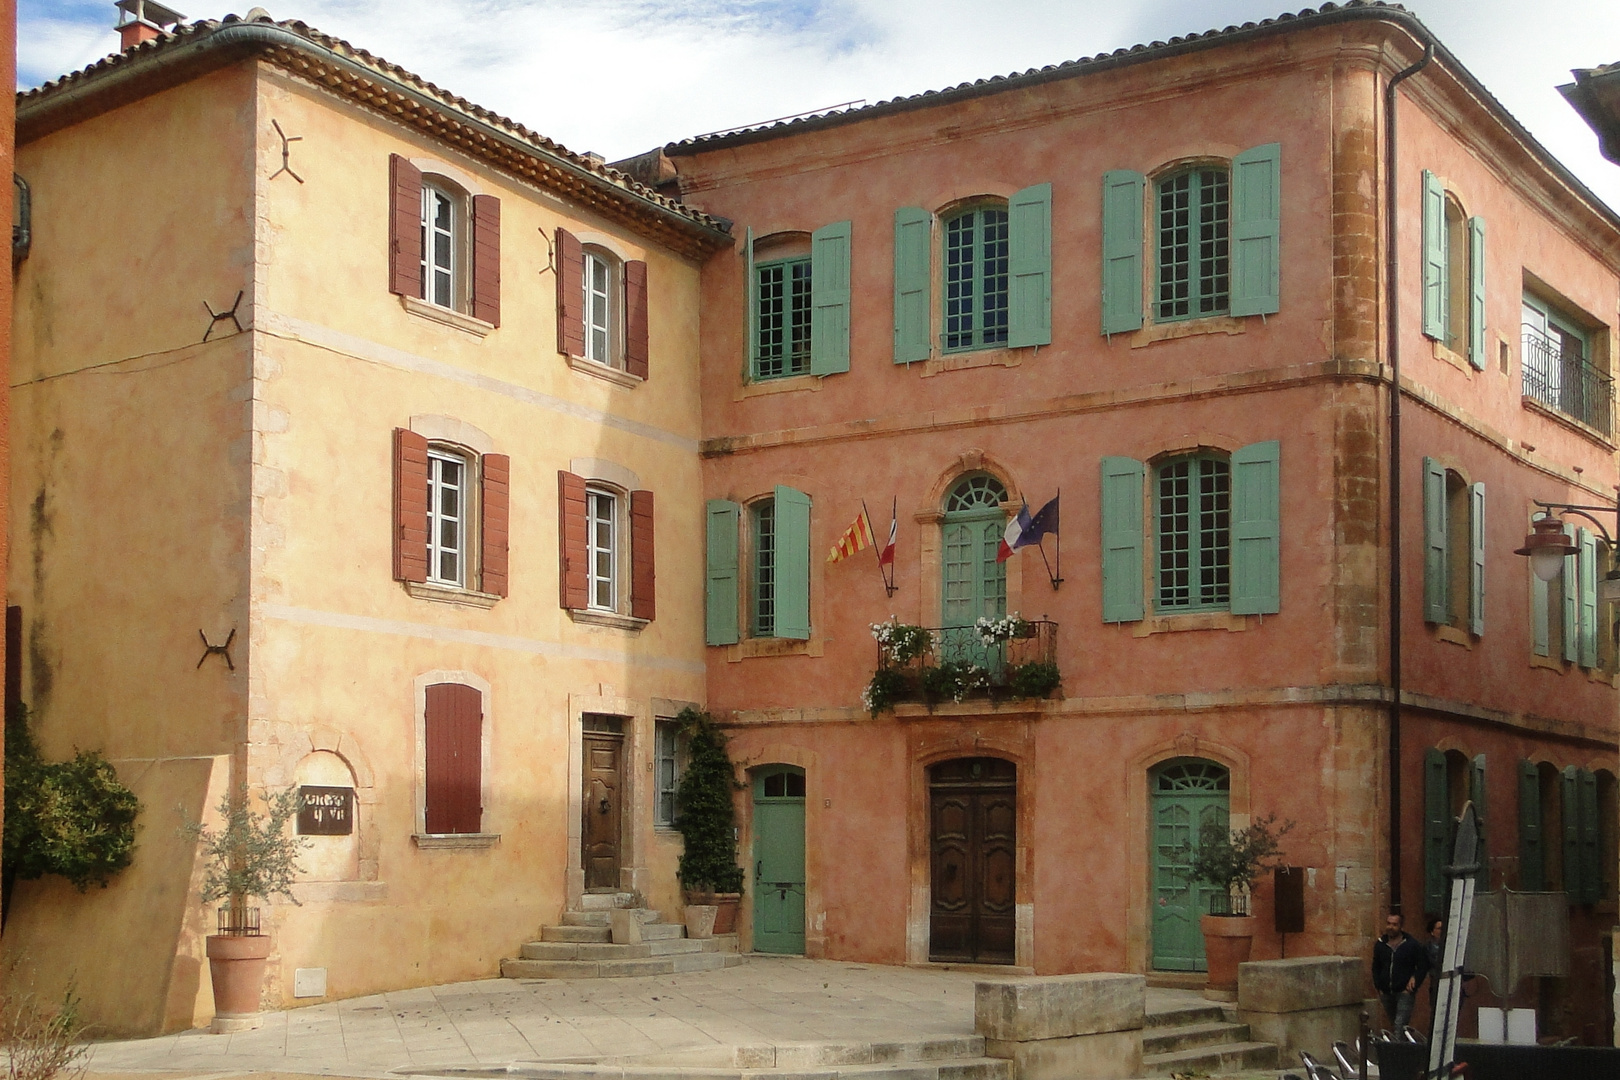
498, 1022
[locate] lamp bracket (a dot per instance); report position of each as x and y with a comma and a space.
1551, 508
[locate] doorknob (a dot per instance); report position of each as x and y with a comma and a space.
604, 805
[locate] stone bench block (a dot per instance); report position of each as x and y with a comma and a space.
1107, 1055
1299, 985
1060, 1006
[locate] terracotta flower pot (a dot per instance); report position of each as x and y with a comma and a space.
700, 920
1227, 941
725, 919
236, 968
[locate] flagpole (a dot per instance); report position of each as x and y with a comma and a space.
877, 553
1058, 554
894, 518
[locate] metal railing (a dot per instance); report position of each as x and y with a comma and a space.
1567, 382
997, 661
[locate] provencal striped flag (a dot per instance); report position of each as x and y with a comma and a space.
858, 537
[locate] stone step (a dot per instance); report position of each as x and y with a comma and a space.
662, 931
603, 916
1225, 1058
608, 969
976, 1068
606, 901
606, 950
1181, 1014
650, 931
1165, 1040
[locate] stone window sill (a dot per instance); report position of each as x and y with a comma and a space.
447, 594
751, 648
1454, 635
446, 316
1551, 663
606, 372
1192, 620
1570, 422
612, 619
1153, 333
788, 385
1452, 357
455, 841
969, 359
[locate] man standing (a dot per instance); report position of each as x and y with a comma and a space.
1399, 966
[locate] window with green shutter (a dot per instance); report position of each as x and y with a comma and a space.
1592, 878
1532, 859
1256, 529
722, 601
1123, 479
1122, 251
792, 564
1193, 210
1029, 260
913, 236
782, 318
1256, 243
1569, 791
1436, 829
1454, 549
976, 278
830, 298
1453, 273
1193, 533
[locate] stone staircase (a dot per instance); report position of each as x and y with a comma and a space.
1196, 1037
588, 944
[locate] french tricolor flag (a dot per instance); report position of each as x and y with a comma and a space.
1024, 530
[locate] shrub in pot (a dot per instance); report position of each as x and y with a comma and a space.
1231, 861
706, 820
253, 857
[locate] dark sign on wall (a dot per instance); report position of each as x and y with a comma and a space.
325, 811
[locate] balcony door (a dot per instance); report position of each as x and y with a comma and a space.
975, 583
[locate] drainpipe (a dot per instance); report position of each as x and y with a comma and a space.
1393, 305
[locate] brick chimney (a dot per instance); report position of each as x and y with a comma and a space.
143, 20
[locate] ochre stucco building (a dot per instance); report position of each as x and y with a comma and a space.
1156, 281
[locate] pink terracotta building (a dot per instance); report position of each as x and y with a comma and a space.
1159, 281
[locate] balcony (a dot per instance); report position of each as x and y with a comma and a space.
998, 660
1565, 381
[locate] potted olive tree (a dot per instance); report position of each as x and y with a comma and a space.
253, 857
706, 820
1230, 861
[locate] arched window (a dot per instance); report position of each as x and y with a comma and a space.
762, 516
976, 246
1193, 209
975, 583
449, 532
1193, 496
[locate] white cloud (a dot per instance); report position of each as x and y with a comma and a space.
622, 76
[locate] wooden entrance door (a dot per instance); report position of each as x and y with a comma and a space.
973, 816
601, 813
1186, 795
779, 861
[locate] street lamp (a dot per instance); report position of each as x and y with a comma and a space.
1548, 546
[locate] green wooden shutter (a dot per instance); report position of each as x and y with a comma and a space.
913, 239
1476, 559
1434, 257
1256, 531
1476, 795
1572, 603
1122, 251
792, 564
1436, 583
1029, 266
750, 305
1591, 839
1122, 482
720, 623
1532, 859
1256, 230
1586, 563
1436, 830
1476, 292
1570, 789
829, 299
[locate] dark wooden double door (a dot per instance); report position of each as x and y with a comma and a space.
973, 816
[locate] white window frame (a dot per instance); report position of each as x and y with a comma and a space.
437, 519
596, 498
601, 308
434, 196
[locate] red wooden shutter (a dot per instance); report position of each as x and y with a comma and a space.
643, 579
570, 294
454, 737
410, 506
486, 298
497, 499
404, 227
575, 590
635, 318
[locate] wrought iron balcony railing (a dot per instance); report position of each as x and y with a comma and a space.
958, 662
1567, 382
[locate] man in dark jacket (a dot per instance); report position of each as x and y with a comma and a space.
1400, 964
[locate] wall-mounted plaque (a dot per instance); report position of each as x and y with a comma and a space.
325, 811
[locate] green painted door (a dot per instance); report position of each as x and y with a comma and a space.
975, 583
1185, 794
779, 860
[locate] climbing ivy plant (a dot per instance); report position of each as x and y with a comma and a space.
704, 815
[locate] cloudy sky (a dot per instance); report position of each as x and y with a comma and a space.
622, 76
